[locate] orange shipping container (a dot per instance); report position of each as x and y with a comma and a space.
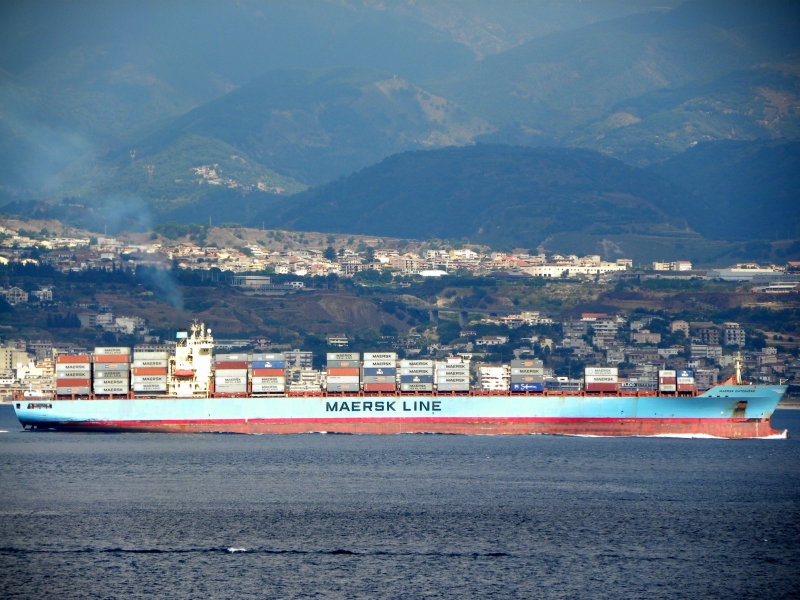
111, 358
269, 373
231, 364
73, 383
343, 371
150, 371
66, 360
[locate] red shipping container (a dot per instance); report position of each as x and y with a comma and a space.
112, 358
73, 383
82, 359
269, 373
379, 387
149, 370
601, 387
686, 387
344, 371
232, 364
667, 380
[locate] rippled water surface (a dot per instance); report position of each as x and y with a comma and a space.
234, 516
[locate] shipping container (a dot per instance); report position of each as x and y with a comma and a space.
101, 367
156, 363
527, 379
264, 357
109, 350
685, 380
412, 364
416, 371
269, 373
601, 387
600, 379
111, 359
73, 382
268, 381
231, 373
268, 388
667, 387
379, 387
150, 371
73, 375
455, 379
527, 387
77, 367
379, 379
343, 364
667, 373
379, 364
218, 381
345, 372
107, 390
601, 371
349, 379
372, 372
238, 357
536, 363
527, 371
416, 378
150, 355
343, 356
149, 379
686, 388
230, 389
672, 380
392, 356
685, 374
83, 390
63, 359
268, 364
343, 387
452, 387
416, 387
149, 387
228, 365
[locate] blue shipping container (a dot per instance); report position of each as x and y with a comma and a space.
416, 378
527, 387
685, 373
377, 372
268, 364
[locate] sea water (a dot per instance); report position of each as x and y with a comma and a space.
88, 515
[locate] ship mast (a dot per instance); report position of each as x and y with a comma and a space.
738, 367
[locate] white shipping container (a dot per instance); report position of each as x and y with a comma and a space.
416, 387
667, 373
601, 371
408, 364
149, 379
667, 387
230, 372
685, 380
63, 367
230, 389
452, 379
392, 356
527, 371
143, 363
267, 388
268, 381
379, 364
110, 389
343, 356
104, 375
452, 369
149, 387
112, 350
72, 374
417, 371
339, 379
600, 379
219, 381
160, 355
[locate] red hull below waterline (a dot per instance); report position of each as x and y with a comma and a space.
721, 428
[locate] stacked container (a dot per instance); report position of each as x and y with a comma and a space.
230, 374
416, 375
452, 376
601, 379
685, 381
668, 381
111, 369
73, 375
268, 373
343, 372
380, 372
150, 370
527, 375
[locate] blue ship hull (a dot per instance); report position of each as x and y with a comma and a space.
738, 411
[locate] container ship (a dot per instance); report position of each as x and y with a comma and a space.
194, 390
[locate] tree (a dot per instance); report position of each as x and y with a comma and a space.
330, 253
370, 254
389, 330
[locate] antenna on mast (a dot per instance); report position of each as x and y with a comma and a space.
133, 154
738, 367
150, 169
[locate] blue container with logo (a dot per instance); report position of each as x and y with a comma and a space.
527, 387
416, 378
378, 371
268, 364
